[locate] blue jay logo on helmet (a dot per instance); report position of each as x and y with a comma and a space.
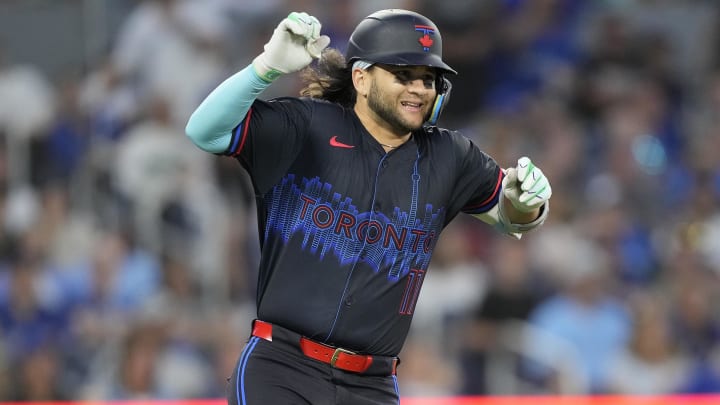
426, 41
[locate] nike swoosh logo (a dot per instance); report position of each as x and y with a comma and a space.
334, 142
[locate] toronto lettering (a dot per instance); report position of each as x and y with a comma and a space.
371, 231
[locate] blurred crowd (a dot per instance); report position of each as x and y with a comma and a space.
128, 257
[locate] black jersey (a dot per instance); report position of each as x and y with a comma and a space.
346, 229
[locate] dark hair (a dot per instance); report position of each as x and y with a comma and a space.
330, 79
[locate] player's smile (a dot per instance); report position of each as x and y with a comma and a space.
414, 112
414, 103
412, 106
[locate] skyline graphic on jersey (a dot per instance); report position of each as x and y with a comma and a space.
331, 223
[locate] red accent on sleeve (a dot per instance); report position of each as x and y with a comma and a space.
497, 188
244, 134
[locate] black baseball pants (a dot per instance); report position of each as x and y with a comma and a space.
278, 373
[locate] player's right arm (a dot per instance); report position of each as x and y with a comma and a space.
293, 45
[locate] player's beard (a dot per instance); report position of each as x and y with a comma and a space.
381, 105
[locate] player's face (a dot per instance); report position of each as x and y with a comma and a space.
402, 96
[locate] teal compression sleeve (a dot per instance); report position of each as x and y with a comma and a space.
210, 125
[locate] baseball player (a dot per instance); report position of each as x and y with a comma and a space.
354, 183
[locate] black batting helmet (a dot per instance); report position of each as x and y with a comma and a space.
397, 37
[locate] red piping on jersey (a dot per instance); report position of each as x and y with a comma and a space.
497, 187
244, 134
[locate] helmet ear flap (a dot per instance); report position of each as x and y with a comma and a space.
443, 86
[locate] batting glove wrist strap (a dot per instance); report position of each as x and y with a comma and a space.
293, 45
513, 228
265, 72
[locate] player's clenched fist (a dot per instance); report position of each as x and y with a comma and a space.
526, 186
293, 45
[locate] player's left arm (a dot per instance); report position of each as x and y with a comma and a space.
524, 202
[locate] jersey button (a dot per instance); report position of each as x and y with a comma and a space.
349, 301
384, 164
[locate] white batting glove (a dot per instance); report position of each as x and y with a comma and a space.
293, 45
526, 186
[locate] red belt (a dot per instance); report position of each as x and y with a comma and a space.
334, 356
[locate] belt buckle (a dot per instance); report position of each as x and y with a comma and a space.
337, 352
